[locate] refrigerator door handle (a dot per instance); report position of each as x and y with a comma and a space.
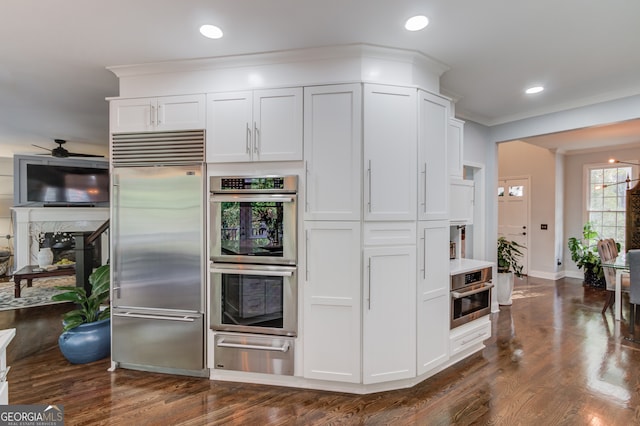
183, 318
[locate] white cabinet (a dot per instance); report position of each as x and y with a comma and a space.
390, 153
260, 125
331, 336
168, 113
469, 338
433, 298
433, 120
455, 148
389, 314
461, 201
332, 152
6, 336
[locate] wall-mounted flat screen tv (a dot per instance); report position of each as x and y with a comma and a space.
49, 184
46, 181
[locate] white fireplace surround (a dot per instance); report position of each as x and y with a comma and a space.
30, 222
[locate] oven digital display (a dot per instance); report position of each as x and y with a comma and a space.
472, 277
252, 183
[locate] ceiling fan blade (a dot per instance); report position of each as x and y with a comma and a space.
73, 154
42, 147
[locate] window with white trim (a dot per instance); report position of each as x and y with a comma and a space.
606, 200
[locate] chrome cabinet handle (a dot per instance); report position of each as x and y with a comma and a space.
158, 115
248, 139
152, 113
256, 146
369, 189
425, 188
369, 280
306, 254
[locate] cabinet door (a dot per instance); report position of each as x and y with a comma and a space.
389, 314
432, 296
390, 153
332, 150
132, 115
277, 126
455, 147
181, 113
229, 127
332, 301
432, 157
461, 194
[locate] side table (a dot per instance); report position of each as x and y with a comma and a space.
30, 272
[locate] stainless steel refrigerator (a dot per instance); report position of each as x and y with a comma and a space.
158, 268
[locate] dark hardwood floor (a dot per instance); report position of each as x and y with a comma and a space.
554, 359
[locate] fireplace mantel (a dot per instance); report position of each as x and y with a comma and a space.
29, 222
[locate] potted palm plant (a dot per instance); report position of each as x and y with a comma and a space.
585, 253
509, 255
86, 334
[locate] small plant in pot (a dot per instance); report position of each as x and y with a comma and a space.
86, 333
585, 253
509, 255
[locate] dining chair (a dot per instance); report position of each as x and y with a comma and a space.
633, 258
608, 251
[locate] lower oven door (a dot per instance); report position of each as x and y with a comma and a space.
470, 303
258, 299
254, 353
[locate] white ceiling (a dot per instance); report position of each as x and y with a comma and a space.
53, 53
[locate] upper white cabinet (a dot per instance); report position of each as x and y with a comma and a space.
389, 153
455, 147
167, 113
433, 120
260, 125
332, 283
461, 197
433, 297
332, 152
389, 314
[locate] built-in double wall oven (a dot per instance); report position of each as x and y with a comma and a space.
254, 282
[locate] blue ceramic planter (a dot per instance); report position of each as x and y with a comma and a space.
87, 342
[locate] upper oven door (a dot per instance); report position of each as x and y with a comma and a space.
253, 228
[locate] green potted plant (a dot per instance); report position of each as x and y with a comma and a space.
509, 255
86, 335
585, 253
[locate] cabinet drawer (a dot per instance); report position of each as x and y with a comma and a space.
469, 336
389, 233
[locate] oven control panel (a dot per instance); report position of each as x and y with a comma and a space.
256, 184
466, 279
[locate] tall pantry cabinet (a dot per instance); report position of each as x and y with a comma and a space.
363, 144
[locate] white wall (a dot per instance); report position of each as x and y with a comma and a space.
575, 194
479, 149
520, 159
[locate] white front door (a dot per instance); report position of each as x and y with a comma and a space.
513, 214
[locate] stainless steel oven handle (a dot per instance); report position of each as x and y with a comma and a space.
269, 273
283, 348
249, 199
458, 295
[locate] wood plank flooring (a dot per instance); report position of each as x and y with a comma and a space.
575, 368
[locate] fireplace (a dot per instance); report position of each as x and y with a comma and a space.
36, 226
62, 244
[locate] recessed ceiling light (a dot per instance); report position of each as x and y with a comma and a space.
416, 23
211, 31
533, 90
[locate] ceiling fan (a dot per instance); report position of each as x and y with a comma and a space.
61, 152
